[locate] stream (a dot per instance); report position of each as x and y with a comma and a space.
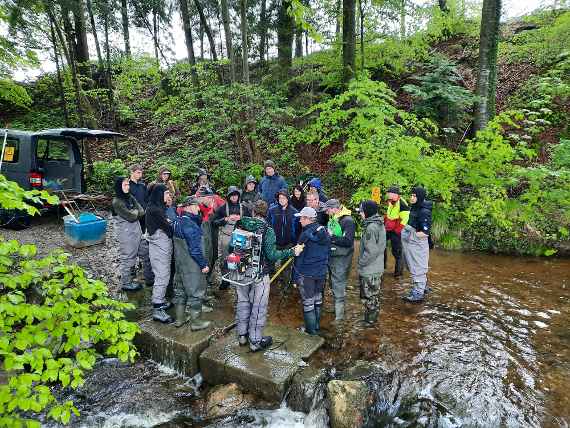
489, 347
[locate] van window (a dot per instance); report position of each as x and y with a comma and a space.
12, 150
54, 150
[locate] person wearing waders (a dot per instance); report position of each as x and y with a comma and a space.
371, 260
159, 231
225, 219
415, 242
271, 183
207, 202
395, 219
341, 228
310, 268
253, 299
281, 217
250, 195
139, 191
165, 177
127, 212
191, 266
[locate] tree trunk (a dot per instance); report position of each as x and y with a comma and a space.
285, 26
94, 32
299, 42
338, 23
155, 36
348, 38
244, 47
307, 43
81, 46
228, 34
59, 79
361, 13
487, 76
403, 19
443, 6
263, 32
189, 40
201, 41
125, 20
109, 76
207, 29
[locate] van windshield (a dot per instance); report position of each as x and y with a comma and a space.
55, 150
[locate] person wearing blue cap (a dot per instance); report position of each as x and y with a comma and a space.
315, 185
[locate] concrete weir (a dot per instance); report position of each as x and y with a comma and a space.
216, 354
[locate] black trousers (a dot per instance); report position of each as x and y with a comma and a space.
396, 243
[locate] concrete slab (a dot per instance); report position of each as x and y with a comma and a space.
178, 348
267, 374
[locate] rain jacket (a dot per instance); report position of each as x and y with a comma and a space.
156, 212
139, 191
170, 184
313, 261
188, 227
284, 223
316, 183
396, 216
372, 246
269, 253
342, 228
420, 215
269, 186
125, 205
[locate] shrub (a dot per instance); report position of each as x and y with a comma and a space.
104, 174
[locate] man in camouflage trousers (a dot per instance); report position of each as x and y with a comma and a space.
371, 260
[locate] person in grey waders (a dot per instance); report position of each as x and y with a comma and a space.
415, 243
341, 228
371, 259
253, 299
127, 213
310, 267
225, 219
159, 231
191, 266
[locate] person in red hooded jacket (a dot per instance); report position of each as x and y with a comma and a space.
395, 219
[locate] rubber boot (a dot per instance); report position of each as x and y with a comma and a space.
373, 316
318, 318
339, 311
196, 323
181, 317
264, 343
310, 322
399, 268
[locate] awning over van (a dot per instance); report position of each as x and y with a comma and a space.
78, 133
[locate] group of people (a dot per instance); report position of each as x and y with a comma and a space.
179, 244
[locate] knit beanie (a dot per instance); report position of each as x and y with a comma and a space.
369, 208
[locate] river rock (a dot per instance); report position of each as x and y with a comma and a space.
307, 387
348, 402
225, 400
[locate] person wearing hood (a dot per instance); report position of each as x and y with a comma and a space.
253, 299
297, 198
202, 180
316, 186
415, 242
191, 266
127, 212
225, 220
250, 195
165, 177
311, 267
371, 259
159, 231
318, 206
341, 228
281, 217
395, 219
271, 183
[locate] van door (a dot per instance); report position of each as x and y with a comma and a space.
59, 161
16, 163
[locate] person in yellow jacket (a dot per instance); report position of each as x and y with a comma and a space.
395, 219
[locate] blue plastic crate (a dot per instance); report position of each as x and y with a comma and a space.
90, 230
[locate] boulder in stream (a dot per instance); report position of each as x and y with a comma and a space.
348, 401
225, 400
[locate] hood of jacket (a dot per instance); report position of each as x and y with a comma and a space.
250, 179
376, 218
119, 189
231, 190
157, 195
315, 182
251, 224
421, 195
343, 211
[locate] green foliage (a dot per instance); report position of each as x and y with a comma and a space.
104, 174
439, 95
561, 155
52, 316
13, 197
13, 94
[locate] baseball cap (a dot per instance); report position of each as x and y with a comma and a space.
307, 212
332, 203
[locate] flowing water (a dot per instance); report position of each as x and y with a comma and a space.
489, 347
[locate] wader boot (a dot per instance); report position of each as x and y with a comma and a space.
399, 267
371, 316
196, 323
318, 318
181, 317
310, 322
339, 312
264, 343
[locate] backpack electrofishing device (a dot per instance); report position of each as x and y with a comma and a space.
244, 264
